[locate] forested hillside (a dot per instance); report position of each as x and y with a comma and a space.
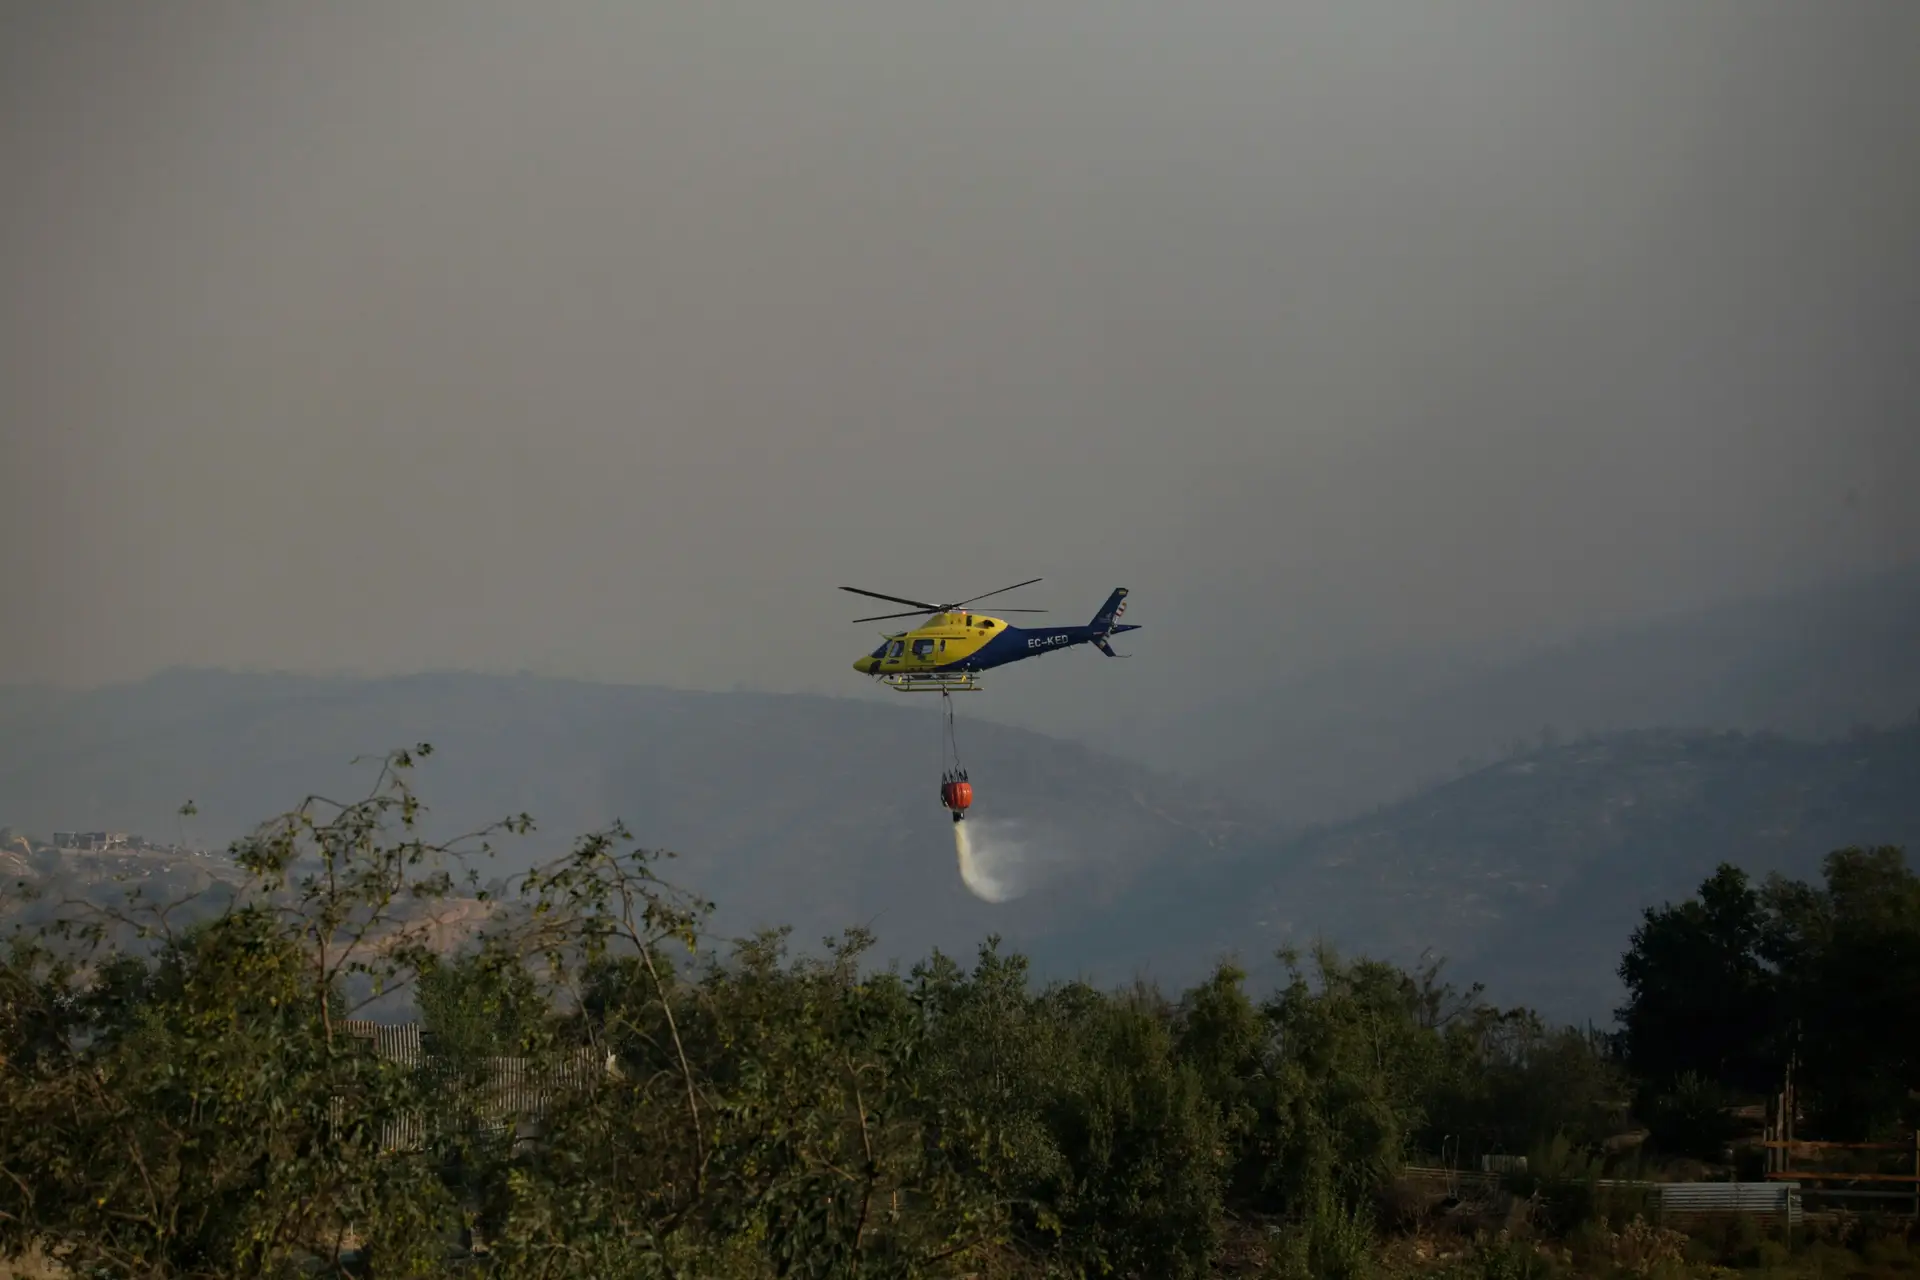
1526, 874
1334, 743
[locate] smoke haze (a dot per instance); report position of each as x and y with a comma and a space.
609, 340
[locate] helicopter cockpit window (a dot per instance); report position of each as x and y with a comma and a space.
893, 650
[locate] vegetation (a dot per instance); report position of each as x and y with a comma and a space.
811, 812
201, 1101
1537, 868
1732, 988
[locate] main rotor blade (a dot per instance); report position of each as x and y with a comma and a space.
1029, 582
918, 604
881, 617
921, 613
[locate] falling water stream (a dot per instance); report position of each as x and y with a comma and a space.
990, 864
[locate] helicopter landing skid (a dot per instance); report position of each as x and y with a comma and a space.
933, 682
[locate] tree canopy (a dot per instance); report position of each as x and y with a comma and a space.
597, 1093
1738, 984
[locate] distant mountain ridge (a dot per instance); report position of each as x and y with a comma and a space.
1332, 744
814, 812
1531, 874
821, 813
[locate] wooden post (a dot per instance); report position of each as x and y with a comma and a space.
1786, 1128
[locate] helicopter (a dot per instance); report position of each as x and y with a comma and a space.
947, 652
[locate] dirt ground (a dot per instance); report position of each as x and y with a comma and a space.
33, 1267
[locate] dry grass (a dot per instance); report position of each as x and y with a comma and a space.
32, 1267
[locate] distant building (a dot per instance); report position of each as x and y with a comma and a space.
512, 1095
90, 841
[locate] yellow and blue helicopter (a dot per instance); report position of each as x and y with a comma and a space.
947, 652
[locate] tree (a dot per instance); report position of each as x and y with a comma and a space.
1699, 999
484, 1003
1224, 1038
1848, 956
1352, 1060
1726, 987
196, 1109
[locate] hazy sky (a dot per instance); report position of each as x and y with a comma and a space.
611, 338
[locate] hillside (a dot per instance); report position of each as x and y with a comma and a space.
822, 813
815, 812
1332, 744
1530, 875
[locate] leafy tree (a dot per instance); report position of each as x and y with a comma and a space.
1690, 1118
1848, 956
1139, 1189
192, 1132
197, 1110
1724, 989
1700, 1000
484, 1003
1510, 1082
1226, 1040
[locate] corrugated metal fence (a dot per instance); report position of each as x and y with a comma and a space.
1678, 1204
1685, 1204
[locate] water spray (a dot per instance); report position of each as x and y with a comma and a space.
989, 872
983, 870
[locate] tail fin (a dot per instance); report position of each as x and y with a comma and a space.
1110, 612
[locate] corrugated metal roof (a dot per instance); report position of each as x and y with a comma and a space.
395, 1041
508, 1091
